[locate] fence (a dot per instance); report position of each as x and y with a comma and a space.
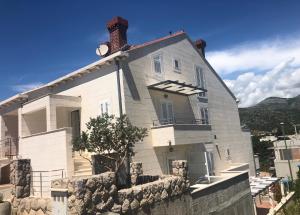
9, 147
41, 181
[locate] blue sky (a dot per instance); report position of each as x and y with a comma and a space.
42, 40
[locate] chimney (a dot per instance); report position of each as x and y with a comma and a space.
201, 44
117, 28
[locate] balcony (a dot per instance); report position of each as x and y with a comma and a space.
180, 132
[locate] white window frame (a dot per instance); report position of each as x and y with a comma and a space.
203, 81
107, 106
178, 70
161, 64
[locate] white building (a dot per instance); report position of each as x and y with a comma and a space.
166, 86
285, 156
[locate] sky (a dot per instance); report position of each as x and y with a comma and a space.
253, 45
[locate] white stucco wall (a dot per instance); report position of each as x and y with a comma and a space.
49, 150
223, 110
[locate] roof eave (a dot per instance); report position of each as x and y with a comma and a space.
78, 73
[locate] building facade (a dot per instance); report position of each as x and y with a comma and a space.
165, 85
287, 156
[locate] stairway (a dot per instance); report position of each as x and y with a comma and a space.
82, 167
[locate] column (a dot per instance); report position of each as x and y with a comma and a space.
51, 115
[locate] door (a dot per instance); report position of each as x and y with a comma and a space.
167, 115
75, 123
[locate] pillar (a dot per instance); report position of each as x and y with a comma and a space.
51, 115
180, 168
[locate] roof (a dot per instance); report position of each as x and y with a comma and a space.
71, 76
96, 65
152, 42
156, 40
259, 184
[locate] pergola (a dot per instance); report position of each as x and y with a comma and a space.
177, 87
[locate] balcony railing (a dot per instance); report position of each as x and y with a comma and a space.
180, 121
9, 147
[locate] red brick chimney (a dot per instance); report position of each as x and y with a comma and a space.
201, 44
117, 28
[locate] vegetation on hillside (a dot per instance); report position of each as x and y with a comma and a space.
265, 153
267, 115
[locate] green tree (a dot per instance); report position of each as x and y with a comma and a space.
108, 134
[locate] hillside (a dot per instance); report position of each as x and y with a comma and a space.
267, 115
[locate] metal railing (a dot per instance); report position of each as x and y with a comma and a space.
41, 181
179, 121
9, 147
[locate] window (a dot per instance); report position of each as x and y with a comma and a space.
204, 116
177, 65
104, 107
200, 80
157, 64
167, 116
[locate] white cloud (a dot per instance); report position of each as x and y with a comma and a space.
26, 87
264, 69
262, 55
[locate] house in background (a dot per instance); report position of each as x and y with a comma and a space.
165, 85
287, 161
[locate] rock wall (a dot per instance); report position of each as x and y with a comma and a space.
20, 177
143, 198
5, 207
31, 205
99, 194
90, 195
137, 177
180, 168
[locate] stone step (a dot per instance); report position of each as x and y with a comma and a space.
76, 168
82, 165
83, 172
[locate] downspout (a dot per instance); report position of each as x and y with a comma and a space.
121, 113
119, 87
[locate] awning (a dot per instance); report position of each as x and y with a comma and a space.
260, 184
177, 87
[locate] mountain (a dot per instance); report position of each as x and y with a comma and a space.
267, 115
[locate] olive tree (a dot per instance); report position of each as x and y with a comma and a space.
107, 135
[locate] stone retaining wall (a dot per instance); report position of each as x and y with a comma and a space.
99, 194
31, 205
90, 195
20, 177
142, 198
137, 176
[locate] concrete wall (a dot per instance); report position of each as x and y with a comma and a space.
162, 135
34, 122
181, 105
49, 150
93, 88
11, 126
140, 107
282, 168
228, 197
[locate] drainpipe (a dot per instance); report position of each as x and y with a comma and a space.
121, 113
119, 87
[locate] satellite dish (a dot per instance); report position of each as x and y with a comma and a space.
102, 49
